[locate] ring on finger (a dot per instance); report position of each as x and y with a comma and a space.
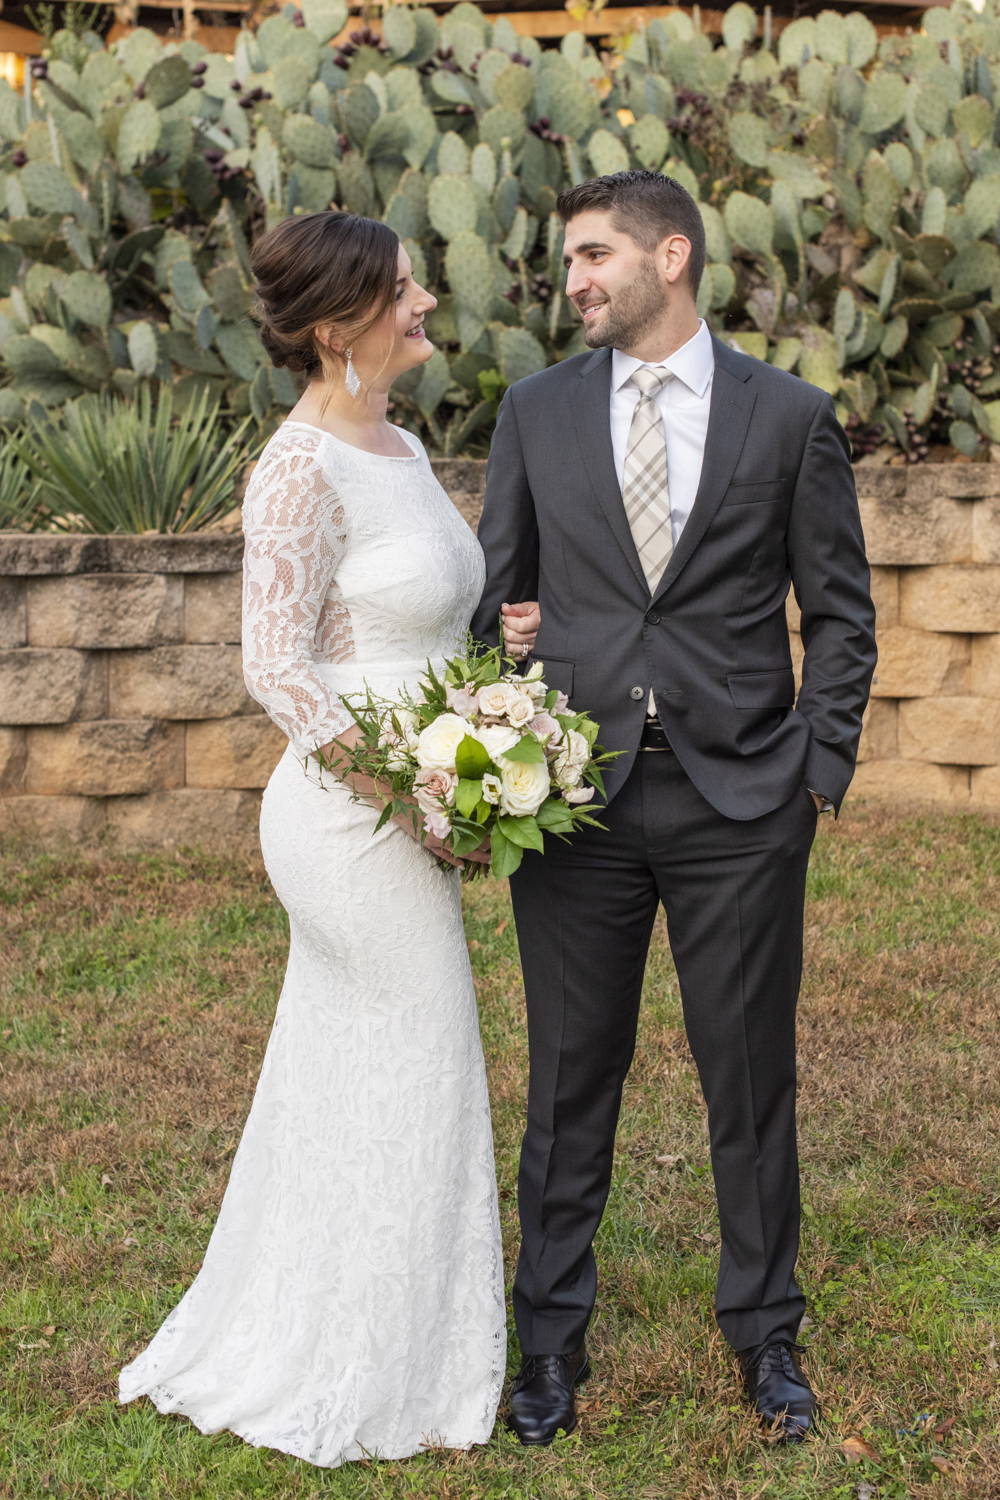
524, 650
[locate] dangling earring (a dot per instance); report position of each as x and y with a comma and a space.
351, 379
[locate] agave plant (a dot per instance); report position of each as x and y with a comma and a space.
19, 496
112, 465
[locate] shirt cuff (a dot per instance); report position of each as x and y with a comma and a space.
827, 804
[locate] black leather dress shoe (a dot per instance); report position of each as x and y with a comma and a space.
778, 1390
542, 1399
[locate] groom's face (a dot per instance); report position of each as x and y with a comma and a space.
615, 285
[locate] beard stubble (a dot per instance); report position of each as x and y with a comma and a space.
631, 313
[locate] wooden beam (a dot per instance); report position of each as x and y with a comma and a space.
20, 40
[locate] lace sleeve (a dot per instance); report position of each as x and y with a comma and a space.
295, 538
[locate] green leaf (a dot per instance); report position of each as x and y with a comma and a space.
555, 816
506, 856
524, 832
527, 749
471, 760
550, 698
468, 794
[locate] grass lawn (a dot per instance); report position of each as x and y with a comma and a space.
135, 1000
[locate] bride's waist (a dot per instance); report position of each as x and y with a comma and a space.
383, 678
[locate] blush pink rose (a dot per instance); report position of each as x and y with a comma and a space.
545, 727
432, 788
438, 824
578, 794
460, 701
561, 705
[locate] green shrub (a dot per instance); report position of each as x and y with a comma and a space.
19, 499
115, 465
850, 192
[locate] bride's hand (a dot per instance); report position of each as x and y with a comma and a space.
434, 845
520, 627
367, 789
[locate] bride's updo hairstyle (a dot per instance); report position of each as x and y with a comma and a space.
329, 267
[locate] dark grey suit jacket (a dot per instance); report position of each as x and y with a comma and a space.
776, 504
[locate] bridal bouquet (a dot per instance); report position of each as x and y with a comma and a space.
482, 752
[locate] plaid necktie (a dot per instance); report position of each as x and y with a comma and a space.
645, 491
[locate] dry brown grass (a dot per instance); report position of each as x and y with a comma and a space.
136, 998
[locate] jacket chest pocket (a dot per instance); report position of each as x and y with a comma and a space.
759, 492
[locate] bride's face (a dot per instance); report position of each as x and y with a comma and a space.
397, 342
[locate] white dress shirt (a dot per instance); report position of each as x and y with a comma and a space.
684, 402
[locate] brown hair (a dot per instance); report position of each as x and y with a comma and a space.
644, 205
329, 267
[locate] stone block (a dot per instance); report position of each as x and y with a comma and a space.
885, 596
178, 682
792, 612
13, 757
916, 528
986, 531
233, 752
27, 555
951, 599
13, 614
880, 730
112, 610
51, 822
186, 816
464, 481
984, 671
41, 685
201, 552
921, 664
213, 607
953, 481
951, 731
901, 781
879, 480
105, 757
985, 790
798, 656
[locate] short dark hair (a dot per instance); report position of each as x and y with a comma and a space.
645, 205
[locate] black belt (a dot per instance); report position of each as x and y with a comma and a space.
654, 736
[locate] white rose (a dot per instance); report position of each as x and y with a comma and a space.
521, 710
536, 691
525, 786
571, 761
437, 745
495, 738
492, 787
578, 794
495, 700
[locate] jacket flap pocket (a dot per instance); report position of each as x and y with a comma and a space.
757, 493
763, 689
557, 673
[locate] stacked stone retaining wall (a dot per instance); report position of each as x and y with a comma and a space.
123, 709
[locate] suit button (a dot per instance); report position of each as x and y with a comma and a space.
652, 618
637, 693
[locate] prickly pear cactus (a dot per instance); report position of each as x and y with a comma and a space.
850, 192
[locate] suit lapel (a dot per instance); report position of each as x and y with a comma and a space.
591, 404
729, 417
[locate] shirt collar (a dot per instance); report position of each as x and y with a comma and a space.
693, 363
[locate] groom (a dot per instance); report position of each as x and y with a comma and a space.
657, 497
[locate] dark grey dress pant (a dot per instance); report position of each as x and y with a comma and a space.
733, 894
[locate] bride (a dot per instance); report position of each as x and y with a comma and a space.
351, 1300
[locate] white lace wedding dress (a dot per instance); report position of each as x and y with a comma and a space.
350, 1302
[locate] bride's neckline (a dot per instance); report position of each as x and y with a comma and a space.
391, 458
